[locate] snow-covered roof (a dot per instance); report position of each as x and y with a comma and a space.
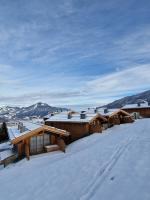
14, 132
54, 113
31, 126
63, 117
141, 105
5, 150
6, 154
47, 116
109, 111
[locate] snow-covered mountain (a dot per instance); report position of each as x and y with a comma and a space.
39, 109
130, 100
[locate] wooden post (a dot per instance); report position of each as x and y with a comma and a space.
53, 139
61, 144
20, 149
27, 148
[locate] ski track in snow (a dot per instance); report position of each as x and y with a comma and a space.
105, 170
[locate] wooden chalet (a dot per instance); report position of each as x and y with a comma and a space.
116, 116
34, 139
77, 124
142, 108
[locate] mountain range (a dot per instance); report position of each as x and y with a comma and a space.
38, 110
41, 109
129, 100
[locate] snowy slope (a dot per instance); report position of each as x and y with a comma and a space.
134, 99
113, 165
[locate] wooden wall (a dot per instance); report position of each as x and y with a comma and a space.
126, 119
144, 112
21, 149
119, 118
77, 130
115, 120
95, 127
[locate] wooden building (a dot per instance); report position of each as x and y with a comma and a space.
37, 139
143, 108
116, 116
120, 117
77, 124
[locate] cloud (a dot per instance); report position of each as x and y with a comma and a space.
100, 90
50, 97
132, 79
5, 75
73, 51
5, 68
70, 33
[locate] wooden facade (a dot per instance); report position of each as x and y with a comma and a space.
34, 142
119, 117
143, 111
79, 129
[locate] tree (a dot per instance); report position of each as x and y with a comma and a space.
3, 132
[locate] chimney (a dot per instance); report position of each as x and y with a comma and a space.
105, 110
83, 111
138, 104
82, 115
21, 127
69, 115
96, 110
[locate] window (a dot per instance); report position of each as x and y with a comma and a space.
37, 143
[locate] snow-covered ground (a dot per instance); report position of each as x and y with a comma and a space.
114, 165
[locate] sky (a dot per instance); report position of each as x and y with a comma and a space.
73, 52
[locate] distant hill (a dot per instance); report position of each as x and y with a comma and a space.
39, 110
130, 100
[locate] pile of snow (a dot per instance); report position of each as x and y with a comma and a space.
5, 145
6, 154
5, 150
113, 165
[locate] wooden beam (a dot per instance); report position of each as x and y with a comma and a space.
27, 148
56, 130
38, 130
26, 135
118, 112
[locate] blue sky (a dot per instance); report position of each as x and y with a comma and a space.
73, 51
